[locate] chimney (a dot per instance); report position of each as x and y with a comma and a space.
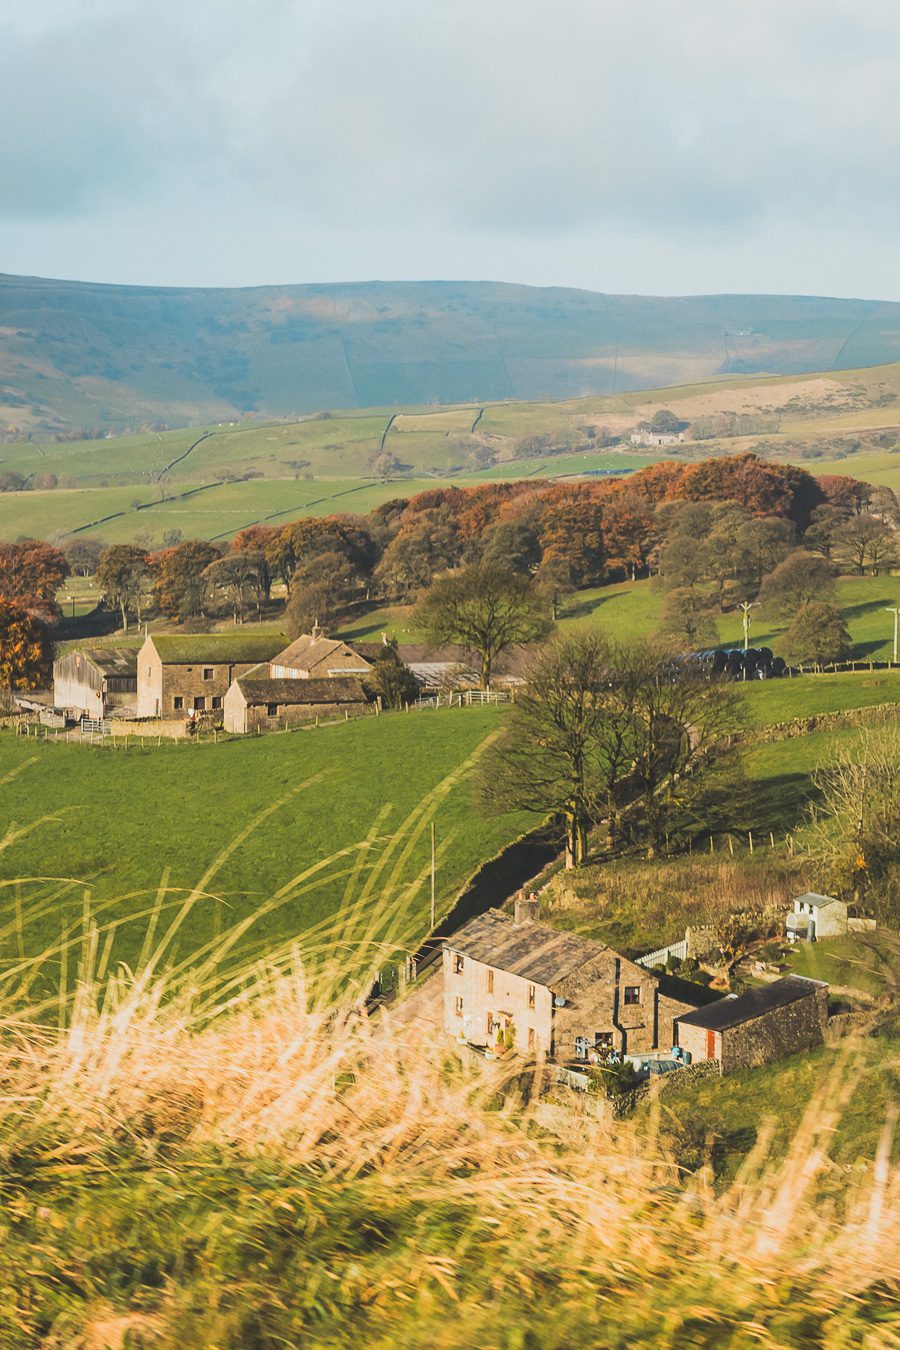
527, 909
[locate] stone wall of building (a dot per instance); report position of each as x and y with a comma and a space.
171, 729
478, 991
596, 1005
775, 1034
288, 715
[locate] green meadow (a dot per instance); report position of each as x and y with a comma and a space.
244, 821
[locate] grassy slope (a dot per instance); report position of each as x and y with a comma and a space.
176, 808
633, 609
819, 417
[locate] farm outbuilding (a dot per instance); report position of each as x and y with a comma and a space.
92, 681
764, 1024
816, 916
315, 657
256, 702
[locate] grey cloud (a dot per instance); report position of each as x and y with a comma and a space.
450, 126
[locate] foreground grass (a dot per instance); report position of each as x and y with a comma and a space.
241, 821
284, 1171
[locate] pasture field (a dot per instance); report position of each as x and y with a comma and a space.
249, 470
242, 820
633, 609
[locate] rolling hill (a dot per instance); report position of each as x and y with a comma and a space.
75, 355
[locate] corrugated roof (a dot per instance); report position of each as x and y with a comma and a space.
731, 1012
535, 951
216, 648
257, 689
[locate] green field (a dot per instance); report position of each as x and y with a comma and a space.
125, 823
630, 609
249, 469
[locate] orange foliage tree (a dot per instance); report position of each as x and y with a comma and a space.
26, 651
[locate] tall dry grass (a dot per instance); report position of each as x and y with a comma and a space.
196, 1157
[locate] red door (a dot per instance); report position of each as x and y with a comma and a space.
710, 1045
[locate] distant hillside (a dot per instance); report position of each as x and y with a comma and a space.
75, 355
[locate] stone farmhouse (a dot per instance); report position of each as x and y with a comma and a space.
555, 994
816, 916
757, 1027
316, 657
182, 675
93, 681
644, 436
257, 702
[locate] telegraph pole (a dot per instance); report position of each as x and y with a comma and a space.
895, 610
745, 607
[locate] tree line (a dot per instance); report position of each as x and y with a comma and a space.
718, 532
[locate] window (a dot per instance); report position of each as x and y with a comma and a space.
490, 981
490, 1025
601, 1039
271, 709
207, 672
459, 1006
632, 993
199, 703
531, 996
457, 964
531, 1038
217, 701
581, 1047
178, 702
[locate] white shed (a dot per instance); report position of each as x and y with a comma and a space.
816, 916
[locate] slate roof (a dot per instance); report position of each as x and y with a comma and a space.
310, 653
813, 898
258, 689
686, 991
535, 951
731, 1012
176, 649
121, 661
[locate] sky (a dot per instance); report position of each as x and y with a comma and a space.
641, 146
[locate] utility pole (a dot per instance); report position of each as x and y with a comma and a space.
745, 607
432, 876
895, 610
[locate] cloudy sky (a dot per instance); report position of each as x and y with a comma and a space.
655, 146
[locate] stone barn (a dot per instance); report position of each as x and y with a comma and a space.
256, 702
757, 1027
557, 994
180, 675
94, 681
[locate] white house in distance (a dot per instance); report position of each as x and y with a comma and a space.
816, 916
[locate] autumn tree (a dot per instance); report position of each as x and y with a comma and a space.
817, 634
122, 576
26, 649
31, 572
799, 579
83, 555
572, 530
484, 609
179, 584
238, 580
257, 539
